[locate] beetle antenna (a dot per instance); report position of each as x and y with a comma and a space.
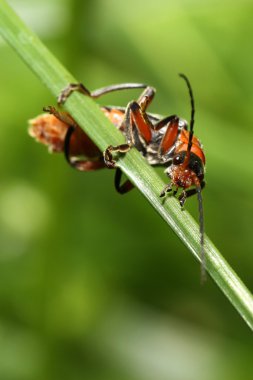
192, 111
201, 230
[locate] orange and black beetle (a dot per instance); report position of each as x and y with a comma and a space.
162, 141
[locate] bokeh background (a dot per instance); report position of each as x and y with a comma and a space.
93, 285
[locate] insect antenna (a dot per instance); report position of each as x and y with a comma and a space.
198, 187
201, 230
192, 113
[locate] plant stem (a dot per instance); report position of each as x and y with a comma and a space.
88, 115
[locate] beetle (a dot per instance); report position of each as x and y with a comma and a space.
163, 141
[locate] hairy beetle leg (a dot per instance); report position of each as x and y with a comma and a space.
64, 117
67, 91
108, 158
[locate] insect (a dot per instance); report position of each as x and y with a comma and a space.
163, 141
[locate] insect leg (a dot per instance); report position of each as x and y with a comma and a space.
65, 118
146, 98
108, 158
161, 123
72, 87
188, 193
123, 148
134, 117
62, 116
139, 119
125, 187
167, 189
170, 136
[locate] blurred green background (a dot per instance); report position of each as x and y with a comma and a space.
94, 285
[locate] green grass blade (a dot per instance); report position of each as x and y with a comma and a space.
87, 113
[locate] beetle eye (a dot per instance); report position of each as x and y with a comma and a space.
179, 158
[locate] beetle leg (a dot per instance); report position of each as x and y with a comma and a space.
135, 113
140, 120
65, 118
75, 162
170, 135
184, 195
163, 122
69, 133
148, 92
67, 91
62, 116
81, 165
134, 117
79, 87
137, 108
146, 98
125, 187
108, 158
166, 189
188, 193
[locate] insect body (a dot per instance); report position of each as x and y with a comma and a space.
162, 141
